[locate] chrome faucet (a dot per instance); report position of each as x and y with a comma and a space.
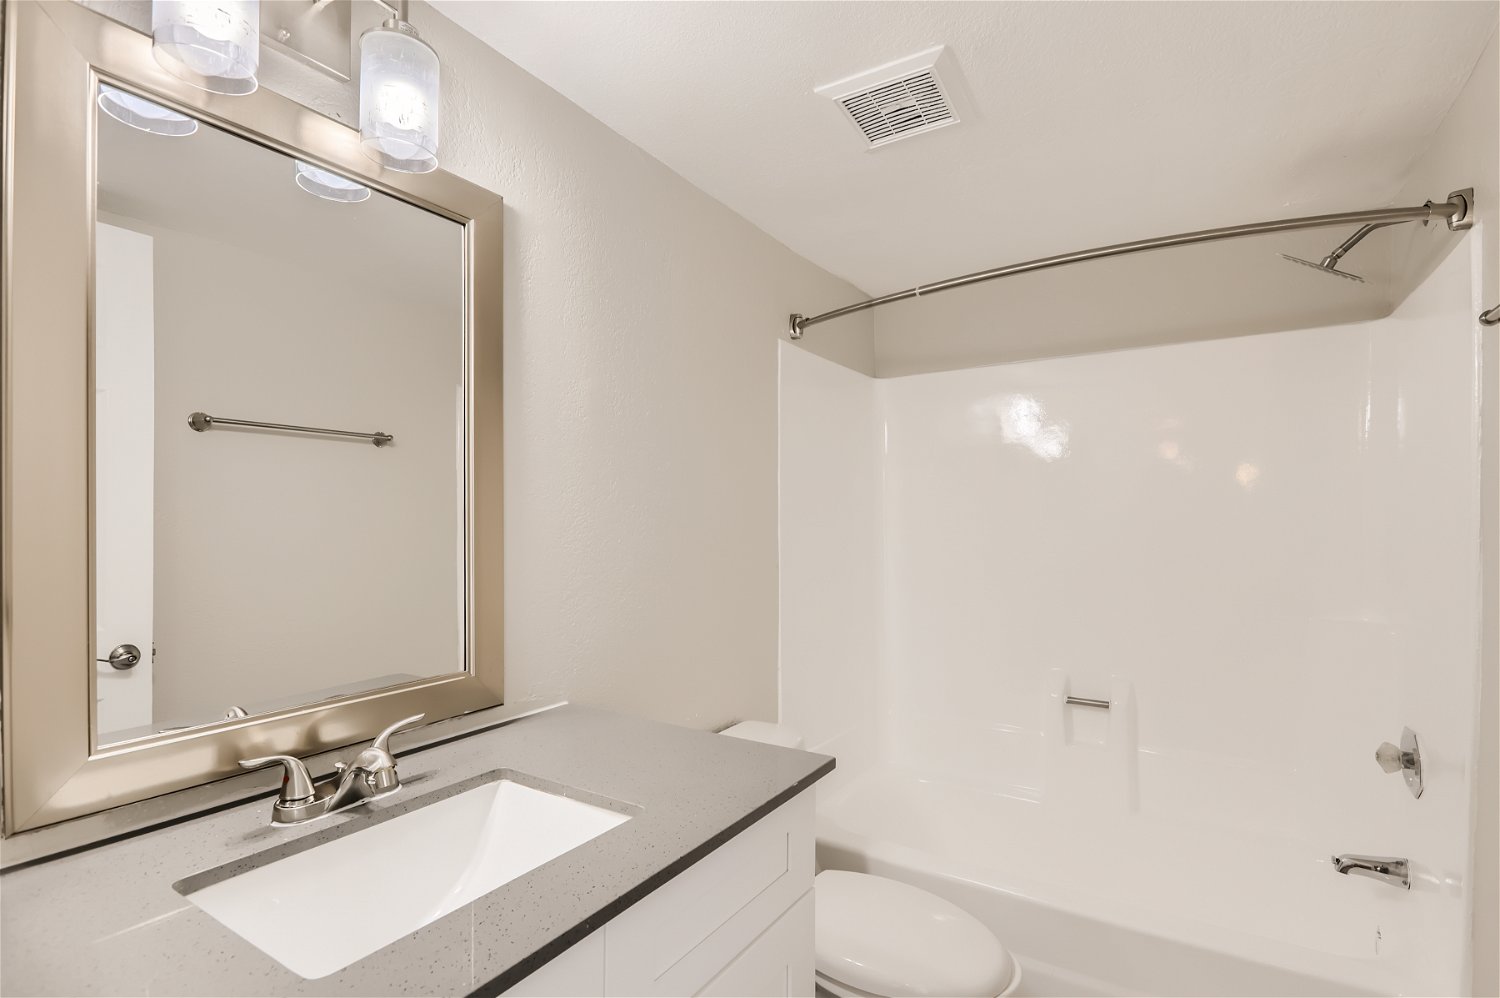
1387, 869
370, 776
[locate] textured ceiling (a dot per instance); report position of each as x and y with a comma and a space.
1095, 122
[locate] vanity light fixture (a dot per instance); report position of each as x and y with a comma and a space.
212, 44
398, 96
328, 185
138, 112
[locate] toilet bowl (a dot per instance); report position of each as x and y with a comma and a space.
880, 938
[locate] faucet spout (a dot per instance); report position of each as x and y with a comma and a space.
370, 776
356, 785
1391, 870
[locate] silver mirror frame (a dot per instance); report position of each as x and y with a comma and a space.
55, 55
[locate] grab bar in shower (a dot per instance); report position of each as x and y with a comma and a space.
1087, 702
201, 421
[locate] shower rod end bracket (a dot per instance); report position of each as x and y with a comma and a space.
794, 325
200, 421
1465, 218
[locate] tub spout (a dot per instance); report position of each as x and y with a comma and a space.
1387, 869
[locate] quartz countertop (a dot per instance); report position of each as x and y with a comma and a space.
106, 920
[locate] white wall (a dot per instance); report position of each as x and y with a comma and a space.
831, 560
1264, 544
124, 465
1466, 153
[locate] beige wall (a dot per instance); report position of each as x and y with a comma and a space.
291, 565
1466, 152
641, 322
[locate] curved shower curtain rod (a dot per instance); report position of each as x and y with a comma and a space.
1458, 210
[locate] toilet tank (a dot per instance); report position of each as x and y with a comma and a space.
765, 732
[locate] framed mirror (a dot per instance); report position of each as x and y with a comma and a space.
252, 496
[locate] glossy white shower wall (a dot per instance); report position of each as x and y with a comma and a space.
1091, 755
1269, 544
1274, 538
830, 559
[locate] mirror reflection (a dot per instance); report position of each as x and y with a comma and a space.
279, 427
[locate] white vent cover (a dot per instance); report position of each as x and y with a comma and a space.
900, 99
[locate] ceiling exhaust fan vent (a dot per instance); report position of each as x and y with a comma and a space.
900, 99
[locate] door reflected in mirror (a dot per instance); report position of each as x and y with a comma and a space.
279, 429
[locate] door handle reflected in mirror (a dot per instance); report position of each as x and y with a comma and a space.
123, 657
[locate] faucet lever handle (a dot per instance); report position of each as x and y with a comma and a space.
296, 785
1405, 759
382, 740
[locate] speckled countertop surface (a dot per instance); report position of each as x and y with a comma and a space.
107, 921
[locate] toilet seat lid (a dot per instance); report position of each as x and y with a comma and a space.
888, 938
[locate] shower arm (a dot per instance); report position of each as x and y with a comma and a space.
1458, 211
1331, 261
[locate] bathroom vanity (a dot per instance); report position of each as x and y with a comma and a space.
703, 888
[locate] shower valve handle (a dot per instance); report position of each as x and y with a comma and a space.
1405, 759
1390, 758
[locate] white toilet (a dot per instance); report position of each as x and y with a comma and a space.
880, 937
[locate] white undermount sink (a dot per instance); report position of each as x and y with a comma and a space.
320, 910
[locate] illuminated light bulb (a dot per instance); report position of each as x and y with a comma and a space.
212, 44
398, 98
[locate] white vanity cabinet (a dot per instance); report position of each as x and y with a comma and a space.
737, 922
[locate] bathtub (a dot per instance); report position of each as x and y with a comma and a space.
1149, 908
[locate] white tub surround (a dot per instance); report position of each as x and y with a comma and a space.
830, 563
1261, 552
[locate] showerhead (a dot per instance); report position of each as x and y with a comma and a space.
1325, 267
1330, 263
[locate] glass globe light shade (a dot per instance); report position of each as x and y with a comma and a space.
138, 112
398, 98
212, 44
329, 185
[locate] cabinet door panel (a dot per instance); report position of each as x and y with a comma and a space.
780, 963
678, 939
